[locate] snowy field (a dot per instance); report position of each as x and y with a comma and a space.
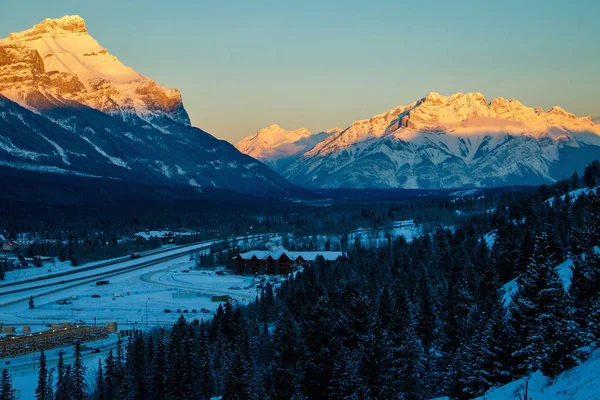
129, 297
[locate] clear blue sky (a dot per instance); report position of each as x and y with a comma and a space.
243, 65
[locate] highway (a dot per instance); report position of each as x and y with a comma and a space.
132, 265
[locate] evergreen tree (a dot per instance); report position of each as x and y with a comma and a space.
238, 380
111, 376
69, 389
179, 361
159, 370
41, 391
585, 286
78, 375
205, 385
50, 386
591, 174
287, 353
61, 391
100, 389
540, 317
6, 390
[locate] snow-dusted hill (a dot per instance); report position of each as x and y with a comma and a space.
578, 383
68, 106
278, 147
451, 141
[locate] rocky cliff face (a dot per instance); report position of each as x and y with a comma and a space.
69, 107
451, 141
81, 71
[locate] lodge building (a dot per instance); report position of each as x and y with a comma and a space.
15, 346
278, 262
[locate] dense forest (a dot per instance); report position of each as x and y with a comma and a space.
407, 320
80, 235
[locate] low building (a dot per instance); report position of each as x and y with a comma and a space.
14, 346
11, 246
279, 262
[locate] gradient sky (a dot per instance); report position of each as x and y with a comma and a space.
243, 65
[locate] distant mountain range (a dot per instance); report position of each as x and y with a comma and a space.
279, 148
67, 106
439, 141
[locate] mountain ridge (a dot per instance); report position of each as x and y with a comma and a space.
278, 147
460, 140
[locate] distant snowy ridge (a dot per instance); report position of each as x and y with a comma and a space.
278, 147
455, 141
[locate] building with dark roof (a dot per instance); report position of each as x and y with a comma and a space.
280, 262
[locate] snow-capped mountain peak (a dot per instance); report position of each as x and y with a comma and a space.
79, 69
70, 107
67, 25
277, 146
451, 141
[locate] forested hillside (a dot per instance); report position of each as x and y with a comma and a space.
411, 320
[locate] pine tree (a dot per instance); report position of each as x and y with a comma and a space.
540, 317
41, 391
61, 392
69, 389
100, 389
179, 361
50, 386
426, 323
78, 375
585, 285
239, 375
287, 352
111, 378
346, 381
6, 390
138, 365
159, 370
205, 385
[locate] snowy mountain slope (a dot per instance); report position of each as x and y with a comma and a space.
451, 141
578, 383
67, 106
278, 147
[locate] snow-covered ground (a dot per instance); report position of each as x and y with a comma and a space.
376, 237
574, 194
564, 270
124, 299
579, 383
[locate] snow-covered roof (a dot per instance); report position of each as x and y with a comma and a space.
260, 254
292, 255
